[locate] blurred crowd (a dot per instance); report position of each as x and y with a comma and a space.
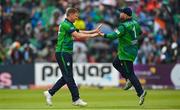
28, 30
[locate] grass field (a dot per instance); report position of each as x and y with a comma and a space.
98, 99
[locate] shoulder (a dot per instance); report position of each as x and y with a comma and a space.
135, 22
122, 26
130, 23
65, 25
121, 29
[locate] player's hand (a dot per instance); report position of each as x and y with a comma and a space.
97, 30
100, 33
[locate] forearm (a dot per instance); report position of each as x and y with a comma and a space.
111, 36
87, 32
83, 35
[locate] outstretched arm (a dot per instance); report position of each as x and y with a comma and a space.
87, 32
111, 36
79, 35
114, 35
92, 31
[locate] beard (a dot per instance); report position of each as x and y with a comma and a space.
122, 18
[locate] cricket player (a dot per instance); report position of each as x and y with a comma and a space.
128, 33
64, 49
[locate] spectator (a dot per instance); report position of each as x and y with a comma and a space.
28, 54
16, 54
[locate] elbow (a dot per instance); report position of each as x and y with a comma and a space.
80, 36
76, 37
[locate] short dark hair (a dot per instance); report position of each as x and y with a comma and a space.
71, 10
126, 10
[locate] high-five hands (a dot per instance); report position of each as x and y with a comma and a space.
97, 30
100, 33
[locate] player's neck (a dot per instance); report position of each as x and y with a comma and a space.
127, 19
69, 19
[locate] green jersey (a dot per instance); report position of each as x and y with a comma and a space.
65, 39
128, 34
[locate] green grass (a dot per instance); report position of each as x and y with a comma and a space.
98, 99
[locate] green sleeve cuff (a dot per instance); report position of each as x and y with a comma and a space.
105, 35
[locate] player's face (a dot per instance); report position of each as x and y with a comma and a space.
122, 16
74, 17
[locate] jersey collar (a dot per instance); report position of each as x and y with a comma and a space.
68, 21
130, 19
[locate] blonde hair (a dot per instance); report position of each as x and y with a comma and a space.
71, 10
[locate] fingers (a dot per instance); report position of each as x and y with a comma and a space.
100, 33
97, 30
99, 26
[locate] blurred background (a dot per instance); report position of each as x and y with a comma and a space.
28, 33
